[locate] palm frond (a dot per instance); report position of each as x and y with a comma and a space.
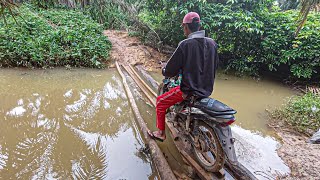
94, 164
306, 7
7, 5
3, 159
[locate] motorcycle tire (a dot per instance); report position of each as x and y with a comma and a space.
217, 153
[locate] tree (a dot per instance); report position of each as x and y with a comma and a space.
6, 4
288, 4
306, 7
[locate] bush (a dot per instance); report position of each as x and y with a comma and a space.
302, 113
253, 36
280, 47
56, 37
110, 15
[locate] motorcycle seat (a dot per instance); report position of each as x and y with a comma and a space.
214, 107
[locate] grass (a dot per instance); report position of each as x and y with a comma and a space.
302, 113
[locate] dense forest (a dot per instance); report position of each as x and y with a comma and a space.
254, 37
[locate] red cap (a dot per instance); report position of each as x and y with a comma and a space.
189, 17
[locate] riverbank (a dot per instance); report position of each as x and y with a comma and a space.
300, 156
294, 123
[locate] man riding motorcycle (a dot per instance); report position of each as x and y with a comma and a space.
196, 58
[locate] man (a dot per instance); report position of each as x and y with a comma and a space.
197, 58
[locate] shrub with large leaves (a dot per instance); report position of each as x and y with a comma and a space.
300, 54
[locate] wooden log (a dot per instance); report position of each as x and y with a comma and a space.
156, 154
149, 89
153, 82
151, 99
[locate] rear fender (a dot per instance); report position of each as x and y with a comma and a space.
227, 142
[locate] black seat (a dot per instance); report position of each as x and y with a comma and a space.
214, 107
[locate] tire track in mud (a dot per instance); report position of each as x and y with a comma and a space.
129, 50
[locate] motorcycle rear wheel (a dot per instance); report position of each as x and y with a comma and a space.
212, 160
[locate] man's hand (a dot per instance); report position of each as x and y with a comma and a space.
163, 64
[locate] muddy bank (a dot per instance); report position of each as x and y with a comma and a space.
129, 50
302, 157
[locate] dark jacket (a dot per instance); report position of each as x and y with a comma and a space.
197, 57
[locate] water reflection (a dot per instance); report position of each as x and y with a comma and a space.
60, 124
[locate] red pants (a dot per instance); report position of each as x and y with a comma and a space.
164, 102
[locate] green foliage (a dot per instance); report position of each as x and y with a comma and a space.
301, 112
111, 15
44, 3
253, 36
299, 53
46, 38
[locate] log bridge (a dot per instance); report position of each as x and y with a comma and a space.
180, 141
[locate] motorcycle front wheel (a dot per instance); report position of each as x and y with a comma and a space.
209, 154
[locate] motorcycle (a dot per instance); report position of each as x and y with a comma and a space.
206, 124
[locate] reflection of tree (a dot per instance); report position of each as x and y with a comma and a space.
44, 143
86, 161
93, 164
38, 152
96, 111
28, 152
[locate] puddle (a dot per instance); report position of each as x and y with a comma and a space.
258, 153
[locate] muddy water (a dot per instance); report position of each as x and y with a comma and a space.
148, 114
250, 98
256, 143
62, 124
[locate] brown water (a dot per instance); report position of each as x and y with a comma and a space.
62, 124
250, 98
70, 124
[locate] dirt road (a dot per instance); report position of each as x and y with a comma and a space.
129, 50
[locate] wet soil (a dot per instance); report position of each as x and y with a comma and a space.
301, 157
129, 50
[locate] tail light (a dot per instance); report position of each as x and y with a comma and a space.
228, 123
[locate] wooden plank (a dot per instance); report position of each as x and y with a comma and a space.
136, 80
156, 154
142, 81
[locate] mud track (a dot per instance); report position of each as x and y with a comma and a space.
129, 50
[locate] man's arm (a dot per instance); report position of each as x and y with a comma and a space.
174, 64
